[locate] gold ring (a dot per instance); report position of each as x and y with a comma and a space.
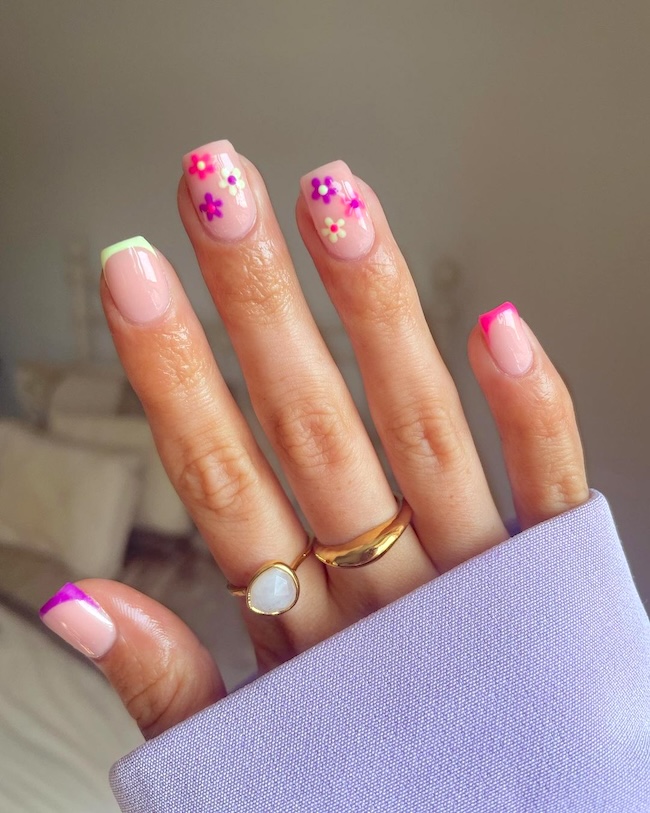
370, 545
274, 588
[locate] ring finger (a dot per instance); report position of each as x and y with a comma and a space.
412, 397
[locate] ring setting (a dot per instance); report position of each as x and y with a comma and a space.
274, 588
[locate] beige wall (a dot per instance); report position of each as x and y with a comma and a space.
511, 138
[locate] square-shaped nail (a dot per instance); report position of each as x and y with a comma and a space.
136, 280
506, 339
79, 620
338, 210
219, 189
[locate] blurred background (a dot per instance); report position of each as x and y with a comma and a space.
508, 142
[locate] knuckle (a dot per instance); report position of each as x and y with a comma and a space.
426, 432
219, 480
312, 436
571, 487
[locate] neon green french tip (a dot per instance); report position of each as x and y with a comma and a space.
132, 242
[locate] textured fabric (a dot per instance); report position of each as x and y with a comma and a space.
519, 681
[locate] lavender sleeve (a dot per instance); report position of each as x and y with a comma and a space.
519, 681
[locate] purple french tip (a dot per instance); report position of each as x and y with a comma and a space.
69, 592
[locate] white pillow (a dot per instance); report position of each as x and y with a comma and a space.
76, 504
160, 508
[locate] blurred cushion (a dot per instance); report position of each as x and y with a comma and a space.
89, 393
76, 504
159, 508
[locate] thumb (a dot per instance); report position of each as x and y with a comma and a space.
156, 664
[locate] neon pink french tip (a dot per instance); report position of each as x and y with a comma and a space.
77, 618
507, 340
338, 210
220, 191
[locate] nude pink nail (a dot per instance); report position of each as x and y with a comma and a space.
136, 280
80, 621
507, 340
220, 192
338, 211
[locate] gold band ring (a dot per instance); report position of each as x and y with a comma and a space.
274, 588
370, 545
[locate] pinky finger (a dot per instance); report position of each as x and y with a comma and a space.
534, 415
155, 663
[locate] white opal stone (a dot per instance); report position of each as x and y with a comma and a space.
274, 590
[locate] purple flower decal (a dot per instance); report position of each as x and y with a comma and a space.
324, 189
211, 207
353, 205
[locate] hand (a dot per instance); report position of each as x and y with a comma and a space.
156, 664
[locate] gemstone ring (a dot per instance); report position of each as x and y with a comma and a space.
274, 588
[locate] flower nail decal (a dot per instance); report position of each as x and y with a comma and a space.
348, 233
211, 207
231, 180
334, 229
201, 165
353, 205
324, 189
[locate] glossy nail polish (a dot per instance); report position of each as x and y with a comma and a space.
80, 621
136, 280
219, 190
507, 340
338, 210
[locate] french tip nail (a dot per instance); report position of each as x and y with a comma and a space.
80, 621
486, 319
506, 340
131, 242
69, 592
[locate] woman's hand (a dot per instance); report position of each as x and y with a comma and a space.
156, 664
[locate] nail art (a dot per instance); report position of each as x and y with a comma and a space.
507, 340
338, 211
79, 620
219, 190
136, 280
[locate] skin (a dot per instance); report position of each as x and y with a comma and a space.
158, 667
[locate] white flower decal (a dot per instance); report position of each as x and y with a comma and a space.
333, 229
231, 180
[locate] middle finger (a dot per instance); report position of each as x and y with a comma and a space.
296, 389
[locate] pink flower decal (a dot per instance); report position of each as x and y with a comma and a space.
201, 165
324, 189
211, 208
353, 205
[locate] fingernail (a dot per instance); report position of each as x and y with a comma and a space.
219, 189
338, 210
506, 339
79, 620
136, 280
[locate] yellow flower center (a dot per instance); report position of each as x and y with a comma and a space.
201, 165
